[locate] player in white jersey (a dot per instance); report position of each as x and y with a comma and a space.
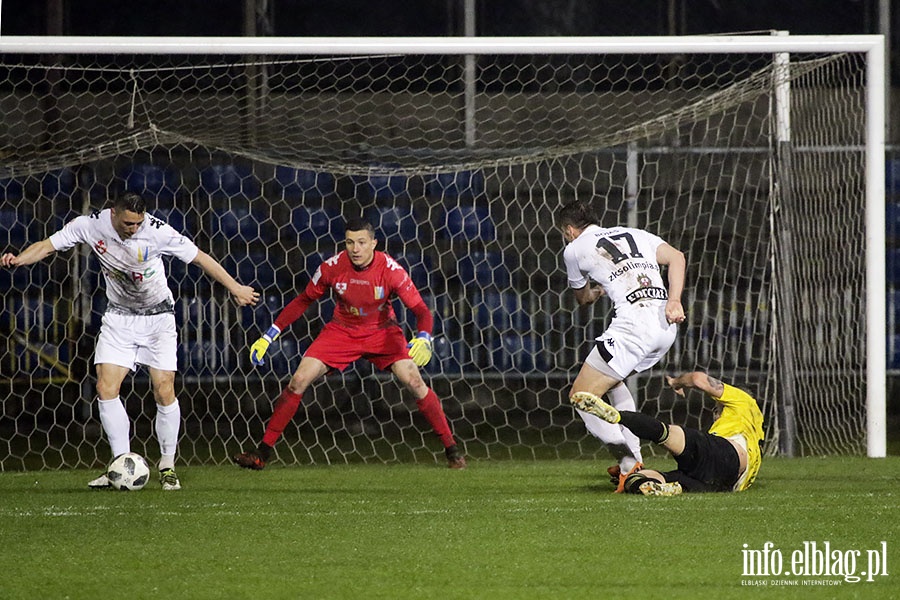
623, 264
139, 324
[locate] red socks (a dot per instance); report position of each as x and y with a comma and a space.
285, 408
431, 408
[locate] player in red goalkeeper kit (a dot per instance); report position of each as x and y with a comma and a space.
364, 326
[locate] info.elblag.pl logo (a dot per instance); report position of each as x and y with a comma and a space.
812, 563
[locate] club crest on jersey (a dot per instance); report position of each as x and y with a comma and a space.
340, 287
644, 280
143, 254
100, 247
379, 292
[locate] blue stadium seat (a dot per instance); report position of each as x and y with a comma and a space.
147, 179
892, 265
520, 353
258, 318
202, 358
187, 279
11, 190
60, 183
302, 184
239, 222
462, 184
450, 356
892, 176
229, 181
314, 259
893, 310
317, 224
469, 223
421, 270
499, 310
483, 269
393, 223
14, 228
892, 221
893, 352
381, 186
175, 218
254, 269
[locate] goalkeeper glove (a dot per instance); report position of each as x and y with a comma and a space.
420, 349
259, 347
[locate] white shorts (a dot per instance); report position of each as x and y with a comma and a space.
130, 340
632, 343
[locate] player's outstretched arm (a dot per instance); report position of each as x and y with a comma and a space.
35, 252
242, 294
677, 265
699, 380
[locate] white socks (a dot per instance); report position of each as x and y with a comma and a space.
622, 444
621, 399
116, 425
168, 424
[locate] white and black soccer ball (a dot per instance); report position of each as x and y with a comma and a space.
128, 472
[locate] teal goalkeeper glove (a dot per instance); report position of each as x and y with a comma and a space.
259, 347
420, 349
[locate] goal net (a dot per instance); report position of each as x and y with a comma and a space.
460, 162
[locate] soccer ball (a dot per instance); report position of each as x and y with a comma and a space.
128, 472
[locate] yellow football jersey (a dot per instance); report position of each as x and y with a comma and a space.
741, 415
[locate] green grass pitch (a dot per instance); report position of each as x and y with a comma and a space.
500, 529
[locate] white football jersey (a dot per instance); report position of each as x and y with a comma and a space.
622, 260
133, 269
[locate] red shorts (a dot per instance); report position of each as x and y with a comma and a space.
338, 346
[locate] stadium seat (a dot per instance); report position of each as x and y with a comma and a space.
893, 357
393, 223
892, 176
226, 181
147, 179
314, 259
11, 190
283, 357
469, 223
892, 265
173, 217
484, 269
449, 356
383, 186
499, 310
421, 270
254, 269
14, 228
462, 184
893, 310
892, 221
60, 183
203, 358
302, 184
317, 224
519, 352
239, 222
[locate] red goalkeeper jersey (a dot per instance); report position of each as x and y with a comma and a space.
363, 296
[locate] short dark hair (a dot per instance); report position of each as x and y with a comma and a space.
358, 224
131, 201
578, 214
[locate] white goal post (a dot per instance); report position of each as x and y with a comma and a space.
870, 47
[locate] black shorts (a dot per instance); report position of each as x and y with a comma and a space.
709, 463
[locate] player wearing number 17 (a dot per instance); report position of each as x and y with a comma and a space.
363, 282
625, 265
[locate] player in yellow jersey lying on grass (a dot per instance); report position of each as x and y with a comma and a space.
726, 459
